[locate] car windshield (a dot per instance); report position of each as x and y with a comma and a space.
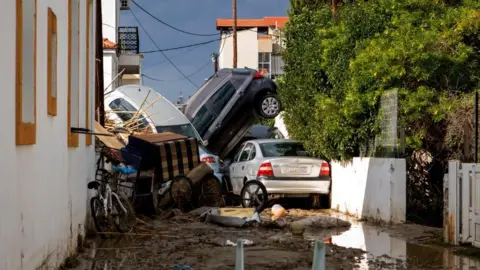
282, 149
185, 130
127, 111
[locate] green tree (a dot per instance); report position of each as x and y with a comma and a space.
296, 6
336, 72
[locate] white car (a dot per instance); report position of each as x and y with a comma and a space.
284, 169
157, 113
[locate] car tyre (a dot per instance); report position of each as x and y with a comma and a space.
259, 200
269, 106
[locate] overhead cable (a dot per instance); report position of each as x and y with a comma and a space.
169, 25
166, 57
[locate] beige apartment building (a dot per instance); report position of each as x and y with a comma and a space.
259, 44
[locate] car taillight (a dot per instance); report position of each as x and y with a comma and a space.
208, 159
265, 169
325, 169
258, 75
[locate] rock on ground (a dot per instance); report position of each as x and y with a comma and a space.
320, 222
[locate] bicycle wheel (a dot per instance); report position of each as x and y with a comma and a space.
125, 222
99, 215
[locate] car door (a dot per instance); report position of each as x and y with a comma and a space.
234, 175
250, 170
241, 166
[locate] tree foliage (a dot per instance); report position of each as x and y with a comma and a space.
296, 6
337, 70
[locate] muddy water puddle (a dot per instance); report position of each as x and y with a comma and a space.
202, 246
393, 252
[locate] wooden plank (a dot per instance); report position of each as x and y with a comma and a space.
112, 142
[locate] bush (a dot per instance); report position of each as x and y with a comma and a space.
337, 70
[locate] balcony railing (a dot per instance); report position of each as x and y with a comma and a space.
129, 43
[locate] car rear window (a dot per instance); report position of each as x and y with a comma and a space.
282, 149
222, 96
203, 120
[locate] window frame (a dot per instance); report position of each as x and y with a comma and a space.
262, 62
236, 156
52, 56
253, 152
72, 138
248, 147
25, 133
203, 130
226, 87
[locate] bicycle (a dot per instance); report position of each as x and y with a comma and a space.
107, 205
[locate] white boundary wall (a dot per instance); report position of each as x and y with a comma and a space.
370, 188
43, 197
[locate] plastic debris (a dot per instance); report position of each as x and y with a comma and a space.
182, 267
164, 188
278, 212
244, 241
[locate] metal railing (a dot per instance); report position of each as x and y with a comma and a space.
129, 42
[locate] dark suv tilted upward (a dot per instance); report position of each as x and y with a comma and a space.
227, 105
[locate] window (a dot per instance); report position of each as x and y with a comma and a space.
89, 11
126, 111
246, 152
202, 120
186, 130
253, 153
25, 89
285, 149
264, 63
237, 152
73, 70
52, 64
277, 66
221, 97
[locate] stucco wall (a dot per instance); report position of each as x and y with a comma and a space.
247, 50
281, 125
111, 19
43, 197
370, 188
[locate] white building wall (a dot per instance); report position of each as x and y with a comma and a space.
110, 19
43, 198
247, 50
372, 188
110, 70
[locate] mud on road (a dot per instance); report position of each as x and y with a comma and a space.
163, 243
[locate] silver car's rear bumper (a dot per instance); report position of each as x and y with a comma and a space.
295, 186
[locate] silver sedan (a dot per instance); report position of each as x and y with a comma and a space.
282, 166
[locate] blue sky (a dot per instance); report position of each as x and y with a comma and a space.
197, 16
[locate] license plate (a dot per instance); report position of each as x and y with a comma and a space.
296, 170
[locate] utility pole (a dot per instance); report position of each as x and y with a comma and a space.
215, 62
234, 9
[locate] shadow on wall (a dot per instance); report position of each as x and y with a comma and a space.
370, 188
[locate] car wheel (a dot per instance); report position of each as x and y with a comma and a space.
254, 194
269, 106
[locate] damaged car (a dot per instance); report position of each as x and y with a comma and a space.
228, 104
